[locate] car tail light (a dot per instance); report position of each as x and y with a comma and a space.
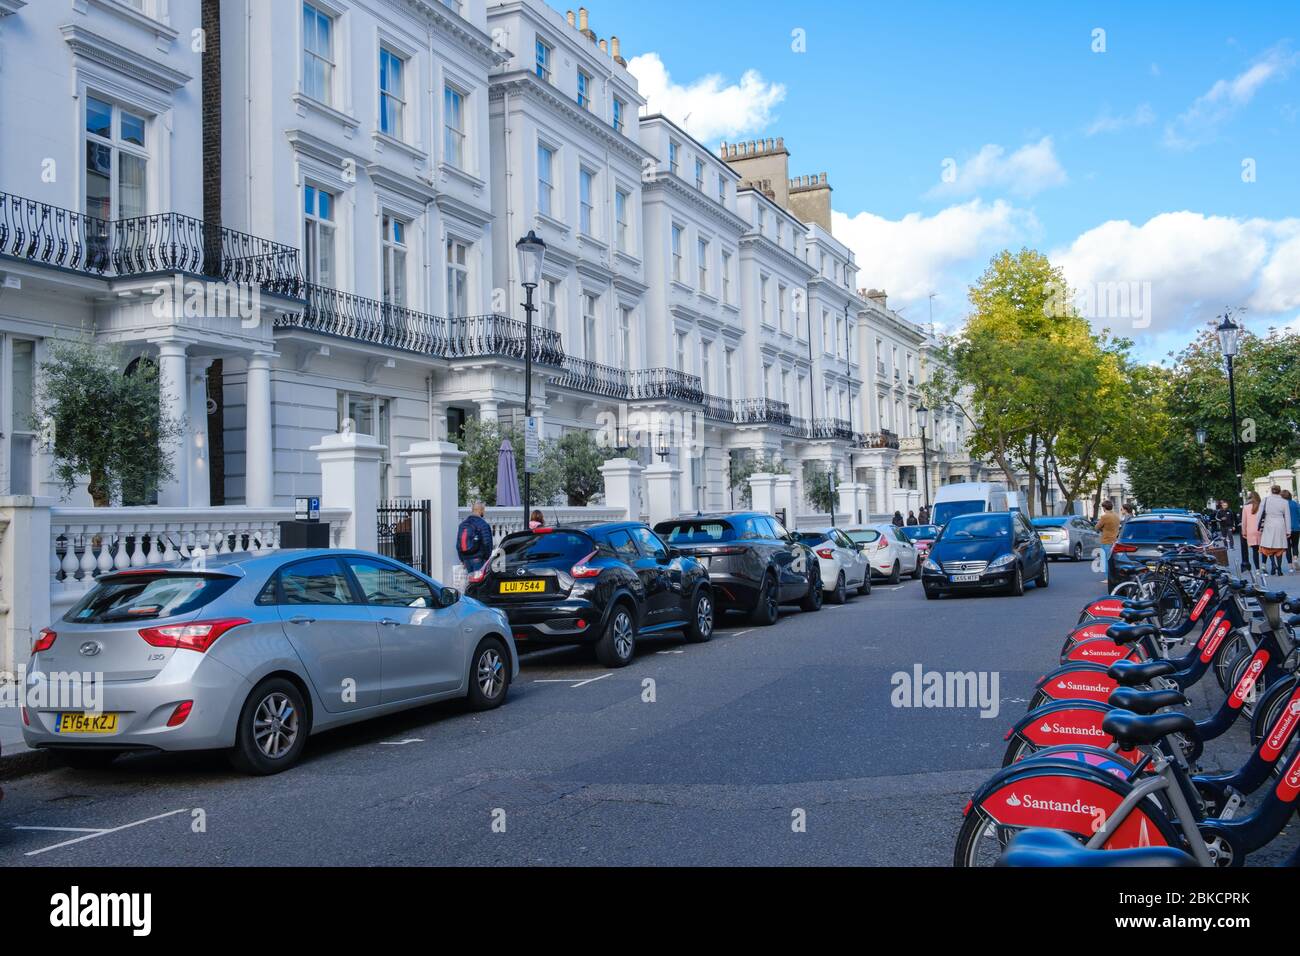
1123, 548
826, 553
477, 576
27, 721
884, 543
196, 636
44, 641
180, 714
583, 570
542, 530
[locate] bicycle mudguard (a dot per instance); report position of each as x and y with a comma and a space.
1102, 650
1066, 722
1286, 685
1097, 757
1085, 632
1103, 608
1074, 797
1078, 681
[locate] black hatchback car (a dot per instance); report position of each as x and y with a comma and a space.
1151, 534
754, 564
602, 585
988, 551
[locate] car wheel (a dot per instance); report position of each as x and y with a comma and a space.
617, 645
272, 729
1017, 586
896, 574
932, 594
88, 759
813, 599
841, 592
865, 587
1041, 580
916, 569
489, 675
767, 608
1077, 555
700, 628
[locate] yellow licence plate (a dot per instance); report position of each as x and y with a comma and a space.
87, 723
522, 587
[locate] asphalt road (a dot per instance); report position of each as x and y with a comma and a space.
693, 754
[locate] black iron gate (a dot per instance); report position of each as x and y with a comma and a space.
404, 531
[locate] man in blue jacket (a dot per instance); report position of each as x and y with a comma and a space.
474, 539
1293, 543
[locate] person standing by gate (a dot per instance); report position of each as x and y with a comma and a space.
474, 539
1274, 529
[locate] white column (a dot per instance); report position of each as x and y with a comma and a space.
662, 491
434, 466
173, 390
762, 492
197, 444
784, 498
623, 486
25, 560
882, 491
847, 503
488, 410
258, 480
349, 466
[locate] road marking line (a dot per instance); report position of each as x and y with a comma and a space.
100, 833
592, 681
749, 630
401, 743
63, 829
571, 681
678, 651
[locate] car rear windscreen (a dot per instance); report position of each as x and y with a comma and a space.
709, 531
146, 596
863, 536
919, 532
1160, 532
565, 546
1048, 522
811, 537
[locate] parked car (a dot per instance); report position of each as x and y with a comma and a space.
921, 535
889, 551
755, 565
970, 497
603, 585
256, 652
996, 551
1150, 535
843, 563
1067, 536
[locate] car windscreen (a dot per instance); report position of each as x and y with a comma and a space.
863, 535
977, 528
1160, 532
533, 548
811, 537
144, 596
921, 532
945, 511
1049, 522
708, 531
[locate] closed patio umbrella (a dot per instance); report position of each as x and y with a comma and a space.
507, 476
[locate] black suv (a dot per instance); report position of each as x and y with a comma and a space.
603, 585
754, 564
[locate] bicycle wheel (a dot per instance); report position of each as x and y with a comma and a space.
1234, 647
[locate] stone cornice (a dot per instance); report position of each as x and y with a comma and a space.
467, 36
94, 48
767, 245
667, 182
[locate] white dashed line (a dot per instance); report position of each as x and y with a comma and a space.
92, 834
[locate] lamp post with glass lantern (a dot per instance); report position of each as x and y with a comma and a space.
1229, 344
923, 420
532, 253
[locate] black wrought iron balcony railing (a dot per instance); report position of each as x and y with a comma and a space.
881, 439
342, 314
584, 375
830, 428
499, 336
761, 411
670, 384
718, 408
50, 235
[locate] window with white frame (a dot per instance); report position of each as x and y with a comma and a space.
702, 254
117, 162
785, 386
317, 54
677, 252
726, 277
457, 278
551, 303
729, 372
453, 125
782, 295
722, 189
392, 93
674, 161
318, 235
625, 337
22, 439
590, 304
545, 179
542, 60
699, 175
584, 90
620, 108
706, 366
621, 227
394, 253
764, 312
586, 201
682, 354
767, 380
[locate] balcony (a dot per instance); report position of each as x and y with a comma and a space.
665, 384
831, 428
719, 409
881, 439
499, 336
761, 411
584, 375
344, 315
48, 235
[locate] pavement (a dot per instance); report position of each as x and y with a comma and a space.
765, 746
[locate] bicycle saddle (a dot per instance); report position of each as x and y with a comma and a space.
1139, 672
1058, 848
1131, 633
1134, 604
1144, 701
1132, 730
1132, 615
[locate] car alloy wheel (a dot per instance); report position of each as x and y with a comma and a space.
623, 635
704, 615
275, 725
491, 673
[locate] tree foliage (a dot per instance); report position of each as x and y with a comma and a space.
568, 469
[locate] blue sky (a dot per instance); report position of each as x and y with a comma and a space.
1126, 165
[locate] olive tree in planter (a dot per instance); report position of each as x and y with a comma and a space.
104, 425
818, 488
571, 465
745, 466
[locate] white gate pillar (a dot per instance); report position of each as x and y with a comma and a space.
623, 486
435, 466
349, 471
663, 491
762, 492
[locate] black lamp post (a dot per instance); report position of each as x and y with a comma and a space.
662, 450
1049, 471
1229, 344
923, 420
532, 252
1200, 444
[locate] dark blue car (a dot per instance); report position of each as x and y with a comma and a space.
992, 551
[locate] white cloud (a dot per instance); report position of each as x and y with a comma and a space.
1105, 122
1201, 120
1187, 267
709, 107
911, 257
1029, 170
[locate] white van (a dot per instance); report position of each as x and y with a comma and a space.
969, 497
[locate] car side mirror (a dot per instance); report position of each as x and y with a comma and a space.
674, 554
448, 596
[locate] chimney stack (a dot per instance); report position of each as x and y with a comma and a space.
569, 16
616, 52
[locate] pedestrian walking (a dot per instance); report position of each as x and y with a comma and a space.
1293, 543
911, 518
923, 515
1224, 522
1250, 529
898, 519
474, 539
1129, 510
1108, 525
1274, 529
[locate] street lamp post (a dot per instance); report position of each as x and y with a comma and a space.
1229, 344
923, 420
1200, 444
532, 253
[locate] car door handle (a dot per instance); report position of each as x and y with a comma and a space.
302, 620
389, 622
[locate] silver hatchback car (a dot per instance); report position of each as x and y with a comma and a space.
252, 653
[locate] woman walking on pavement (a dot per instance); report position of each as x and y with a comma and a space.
1274, 529
1250, 528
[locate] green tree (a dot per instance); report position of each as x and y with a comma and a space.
818, 488
743, 466
106, 427
571, 466
481, 442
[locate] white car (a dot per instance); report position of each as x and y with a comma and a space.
843, 564
888, 551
